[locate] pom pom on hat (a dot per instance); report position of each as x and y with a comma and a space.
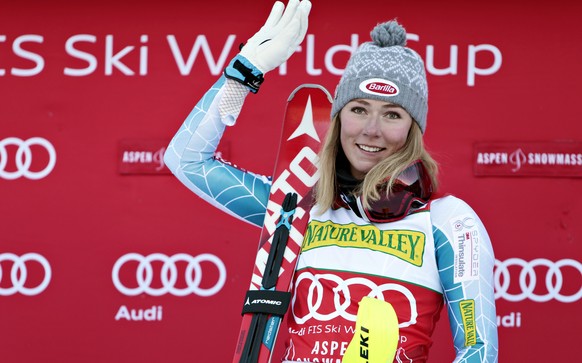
385, 63
388, 34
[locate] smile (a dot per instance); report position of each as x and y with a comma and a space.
370, 149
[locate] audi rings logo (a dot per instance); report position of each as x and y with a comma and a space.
527, 285
321, 311
23, 158
168, 274
19, 274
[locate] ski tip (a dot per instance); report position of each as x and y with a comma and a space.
311, 85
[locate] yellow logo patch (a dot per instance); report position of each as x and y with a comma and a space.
468, 317
404, 244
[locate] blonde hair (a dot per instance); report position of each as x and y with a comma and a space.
414, 149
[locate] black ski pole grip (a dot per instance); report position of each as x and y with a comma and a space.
279, 243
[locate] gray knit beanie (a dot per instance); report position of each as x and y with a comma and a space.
385, 69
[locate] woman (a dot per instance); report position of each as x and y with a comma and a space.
370, 234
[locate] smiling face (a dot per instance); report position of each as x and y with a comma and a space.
372, 130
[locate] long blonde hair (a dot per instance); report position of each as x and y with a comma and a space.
414, 149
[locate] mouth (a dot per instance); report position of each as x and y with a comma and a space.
370, 149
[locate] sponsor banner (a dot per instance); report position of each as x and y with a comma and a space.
146, 156
142, 157
521, 158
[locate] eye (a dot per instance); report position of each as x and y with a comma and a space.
358, 110
393, 115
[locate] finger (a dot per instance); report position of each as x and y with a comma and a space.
290, 35
294, 32
305, 6
304, 9
275, 14
288, 15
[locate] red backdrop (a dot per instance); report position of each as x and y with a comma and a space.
82, 82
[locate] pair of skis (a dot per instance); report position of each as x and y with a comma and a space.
291, 197
304, 127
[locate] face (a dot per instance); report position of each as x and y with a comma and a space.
372, 130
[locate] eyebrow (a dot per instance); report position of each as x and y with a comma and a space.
385, 105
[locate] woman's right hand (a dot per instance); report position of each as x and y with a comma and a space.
272, 45
278, 39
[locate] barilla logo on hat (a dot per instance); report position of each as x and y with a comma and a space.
379, 86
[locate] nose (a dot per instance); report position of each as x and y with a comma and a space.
372, 126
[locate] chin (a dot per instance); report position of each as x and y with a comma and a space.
359, 173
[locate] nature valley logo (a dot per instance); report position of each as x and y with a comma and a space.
468, 317
404, 244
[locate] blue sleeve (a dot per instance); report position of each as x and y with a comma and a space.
465, 261
191, 158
